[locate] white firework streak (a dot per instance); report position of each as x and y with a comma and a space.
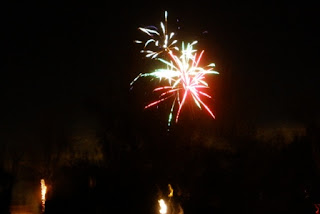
162, 39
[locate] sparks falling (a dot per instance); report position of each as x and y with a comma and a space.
182, 76
43, 194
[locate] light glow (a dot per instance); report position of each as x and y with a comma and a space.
163, 206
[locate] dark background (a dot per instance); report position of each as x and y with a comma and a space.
66, 69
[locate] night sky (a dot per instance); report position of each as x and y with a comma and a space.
74, 61
66, 69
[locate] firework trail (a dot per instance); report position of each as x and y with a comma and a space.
183, 75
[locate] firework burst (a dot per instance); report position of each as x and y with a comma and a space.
183, 75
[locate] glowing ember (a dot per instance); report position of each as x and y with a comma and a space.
163, 206
43, 194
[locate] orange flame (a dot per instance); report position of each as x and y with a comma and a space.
171, 191
43, 193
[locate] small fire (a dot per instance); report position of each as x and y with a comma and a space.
163, 206
43, 194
